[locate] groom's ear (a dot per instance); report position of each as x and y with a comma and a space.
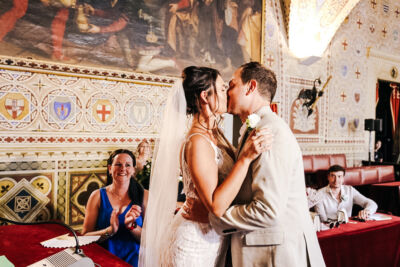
252, 86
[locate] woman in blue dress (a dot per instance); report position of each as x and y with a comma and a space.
116, 211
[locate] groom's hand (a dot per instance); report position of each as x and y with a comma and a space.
194, 210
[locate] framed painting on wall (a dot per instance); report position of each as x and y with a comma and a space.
154, 36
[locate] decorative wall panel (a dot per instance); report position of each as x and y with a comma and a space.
27, 197
57, 130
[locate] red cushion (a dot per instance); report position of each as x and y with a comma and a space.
321, 162
338, 159
386, 173
369, 175
307, 162
314, 163
353, 176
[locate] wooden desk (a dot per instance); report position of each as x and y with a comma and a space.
362, 244
21, 245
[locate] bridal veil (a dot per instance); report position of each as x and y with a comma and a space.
164, 179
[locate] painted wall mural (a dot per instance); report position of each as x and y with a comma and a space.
300, 121
157, 36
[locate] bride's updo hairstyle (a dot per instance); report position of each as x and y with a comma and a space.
195, 81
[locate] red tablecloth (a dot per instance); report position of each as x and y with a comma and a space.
372, 243
21, 245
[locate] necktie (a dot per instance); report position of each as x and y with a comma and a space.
246, 134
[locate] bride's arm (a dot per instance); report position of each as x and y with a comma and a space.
200, 158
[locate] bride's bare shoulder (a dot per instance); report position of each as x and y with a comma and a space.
198, 148
198, 142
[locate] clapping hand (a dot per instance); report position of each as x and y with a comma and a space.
114, 222
259, 141
131, 216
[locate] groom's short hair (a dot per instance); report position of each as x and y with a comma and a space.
265, 78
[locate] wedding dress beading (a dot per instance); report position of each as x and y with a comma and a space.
196, 244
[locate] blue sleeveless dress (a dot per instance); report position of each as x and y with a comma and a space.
122, 244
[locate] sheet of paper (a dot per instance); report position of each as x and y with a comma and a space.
4, 262
379, 217
66, 241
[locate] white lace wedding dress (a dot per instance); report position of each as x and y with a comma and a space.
196, 244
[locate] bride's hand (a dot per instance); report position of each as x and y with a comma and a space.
194, 210
259, 141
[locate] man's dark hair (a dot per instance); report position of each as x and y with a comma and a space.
264, 77
336, 168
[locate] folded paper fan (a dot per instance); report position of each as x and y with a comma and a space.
66, 241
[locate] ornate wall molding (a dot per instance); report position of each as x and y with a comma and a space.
374, 53
56, 68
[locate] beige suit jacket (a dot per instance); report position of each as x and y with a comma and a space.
270, 222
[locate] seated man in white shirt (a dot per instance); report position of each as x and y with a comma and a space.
337, 197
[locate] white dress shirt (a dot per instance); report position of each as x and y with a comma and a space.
329, 206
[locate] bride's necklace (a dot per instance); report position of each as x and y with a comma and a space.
204, 129
208, 132
204, 126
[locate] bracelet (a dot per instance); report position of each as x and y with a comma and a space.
108, 235
133, 226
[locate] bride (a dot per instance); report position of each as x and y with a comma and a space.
211, 175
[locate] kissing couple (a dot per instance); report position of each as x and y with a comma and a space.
253, 196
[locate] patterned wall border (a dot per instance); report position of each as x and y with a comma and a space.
23, 64
20, 139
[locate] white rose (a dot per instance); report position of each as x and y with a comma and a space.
252, 121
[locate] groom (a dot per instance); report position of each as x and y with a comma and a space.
269, 220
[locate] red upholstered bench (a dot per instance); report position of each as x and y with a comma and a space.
367, 175
314, 163
363, 179
316, 166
